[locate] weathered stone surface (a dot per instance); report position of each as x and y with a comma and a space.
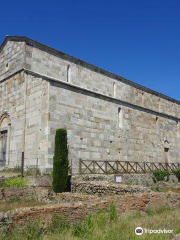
39, 181
42, 90
104, 188
128, 179
41, 194
75, 207
165, 186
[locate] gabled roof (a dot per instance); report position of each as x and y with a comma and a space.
65, 56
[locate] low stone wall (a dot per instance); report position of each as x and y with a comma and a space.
103, 188
77, 210
129, 179
41, 194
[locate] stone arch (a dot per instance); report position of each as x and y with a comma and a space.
166, 143
5, 119
5, 129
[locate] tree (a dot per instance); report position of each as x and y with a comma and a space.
60, 161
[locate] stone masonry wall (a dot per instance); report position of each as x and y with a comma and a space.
77, 211
36, 125
103, 188
94, 132
92, 121
41, 194
12, 103
53, 65
12, 58
128, 179
25, 101
126, 122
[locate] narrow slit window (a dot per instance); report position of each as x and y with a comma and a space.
69, 74
120, 118
114, 89
178, 129
7, 66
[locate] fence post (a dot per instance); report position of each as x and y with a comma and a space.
94, 170
22, 165
105, 166
167, 170
144, 167
117, 167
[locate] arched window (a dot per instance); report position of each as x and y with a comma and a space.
114, 90
166, 151
69, 73
120, 118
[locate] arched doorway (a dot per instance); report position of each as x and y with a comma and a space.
4, 139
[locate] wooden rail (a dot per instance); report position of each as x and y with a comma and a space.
112, 167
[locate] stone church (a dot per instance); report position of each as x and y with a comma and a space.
107, 117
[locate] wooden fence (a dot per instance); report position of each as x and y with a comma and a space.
112, 167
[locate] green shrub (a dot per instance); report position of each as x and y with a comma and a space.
60, 162
177, 174
160, 175
16, 182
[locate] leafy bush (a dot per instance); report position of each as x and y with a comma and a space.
60, 162
177, 174
160, 175
16, 182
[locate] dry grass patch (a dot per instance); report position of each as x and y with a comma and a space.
101, 226
16, 202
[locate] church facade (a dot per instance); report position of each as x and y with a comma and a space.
106, 116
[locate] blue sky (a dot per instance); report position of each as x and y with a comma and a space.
136, 39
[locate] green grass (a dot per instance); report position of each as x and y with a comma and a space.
100, 226
29, 172
16, 182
